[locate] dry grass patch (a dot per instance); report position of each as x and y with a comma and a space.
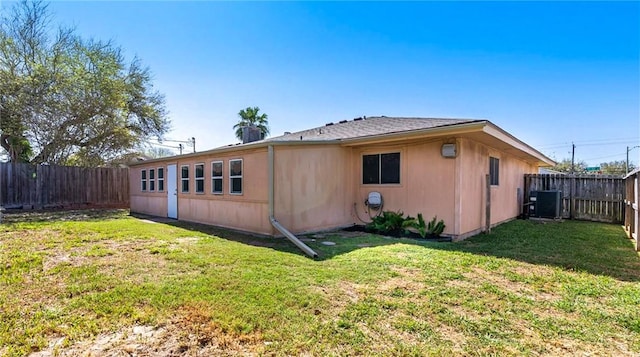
192, 332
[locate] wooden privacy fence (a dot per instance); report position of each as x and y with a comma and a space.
49, 186
632, 215
597, 198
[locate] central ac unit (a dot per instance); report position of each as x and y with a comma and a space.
546, 204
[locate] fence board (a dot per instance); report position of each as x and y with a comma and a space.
632, 211
585, 197
45, 186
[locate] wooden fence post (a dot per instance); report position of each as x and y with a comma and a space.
38, 179
572, 201
636, 213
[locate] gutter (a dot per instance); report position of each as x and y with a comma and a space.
274, 222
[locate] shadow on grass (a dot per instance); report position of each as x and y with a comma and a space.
280, 244
595, 248
327, 244
48, 215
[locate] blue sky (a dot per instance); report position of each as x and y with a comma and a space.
550, 73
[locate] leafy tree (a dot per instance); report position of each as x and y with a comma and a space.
68, 100
615, 167
158, 152
606, 168
565, 166
250, 117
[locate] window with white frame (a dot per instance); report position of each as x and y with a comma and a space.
152, 180
235, 176
199, 176
494, 171
160, 179
143, 180
216, 177
381, 168
184, 178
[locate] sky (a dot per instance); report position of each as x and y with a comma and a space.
549, 73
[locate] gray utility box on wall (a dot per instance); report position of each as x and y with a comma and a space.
545, 204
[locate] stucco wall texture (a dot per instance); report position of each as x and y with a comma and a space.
319, 187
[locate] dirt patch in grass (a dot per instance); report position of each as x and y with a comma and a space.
455, 337
190, 333
130, 260
517, 288
188, 240
407, 284
52, 261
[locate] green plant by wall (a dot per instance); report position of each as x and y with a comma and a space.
435, 228
424, 229
388, 222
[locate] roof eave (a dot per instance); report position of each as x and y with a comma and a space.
248, 146
497, 132
482, 125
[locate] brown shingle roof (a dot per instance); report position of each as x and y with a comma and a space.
367, 127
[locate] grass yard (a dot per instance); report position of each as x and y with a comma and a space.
107, 283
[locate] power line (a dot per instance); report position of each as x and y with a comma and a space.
605, 157
189, 142
591, 143
164, 146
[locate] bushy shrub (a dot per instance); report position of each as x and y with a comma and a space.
388, 222
424, 229
394, 223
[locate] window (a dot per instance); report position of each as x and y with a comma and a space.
494, 171
152, 180
184, 178
199, 176
160, 179
381, 168
216, 177
143, 180
235, 177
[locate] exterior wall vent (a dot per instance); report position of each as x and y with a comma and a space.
449, 150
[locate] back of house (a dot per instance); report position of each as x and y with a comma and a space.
321, 178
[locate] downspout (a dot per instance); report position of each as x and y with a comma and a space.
274, 221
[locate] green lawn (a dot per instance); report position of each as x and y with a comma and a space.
526, 289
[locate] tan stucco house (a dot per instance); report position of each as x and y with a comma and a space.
319, 179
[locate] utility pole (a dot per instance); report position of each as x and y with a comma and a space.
626, 166
573, 156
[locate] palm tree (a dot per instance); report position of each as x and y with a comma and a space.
250, 117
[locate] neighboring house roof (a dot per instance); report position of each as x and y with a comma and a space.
371, 126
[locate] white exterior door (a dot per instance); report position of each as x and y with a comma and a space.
172, 191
